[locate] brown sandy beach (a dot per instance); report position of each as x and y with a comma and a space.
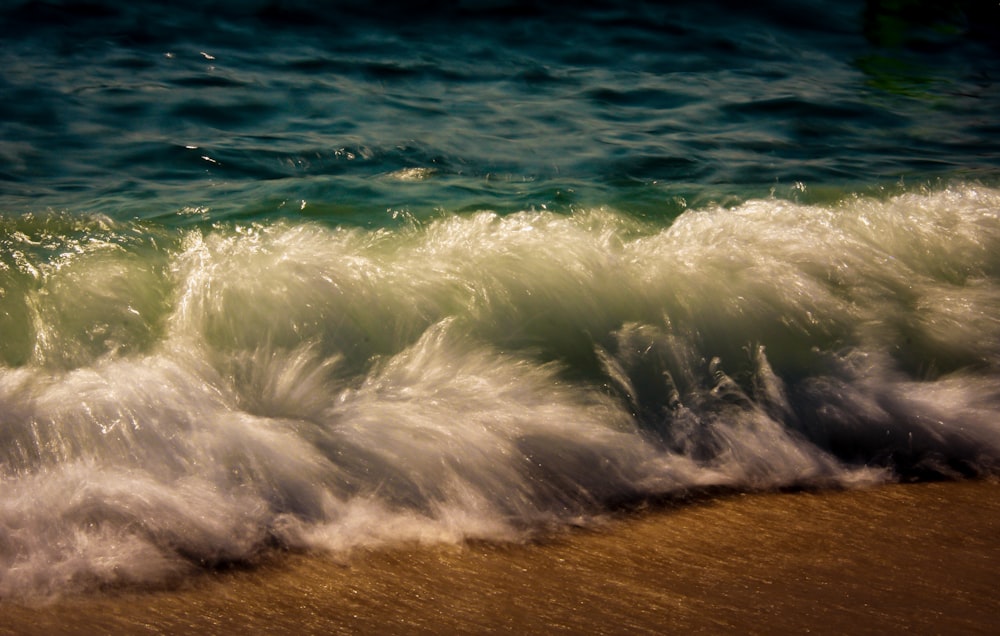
920, 558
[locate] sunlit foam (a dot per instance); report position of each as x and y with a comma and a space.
484, 376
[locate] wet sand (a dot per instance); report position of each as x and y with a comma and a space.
921, 558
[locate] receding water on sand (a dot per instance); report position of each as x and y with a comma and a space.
915, 558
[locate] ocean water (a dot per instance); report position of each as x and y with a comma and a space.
280, 276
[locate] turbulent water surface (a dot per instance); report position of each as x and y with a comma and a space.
324, 278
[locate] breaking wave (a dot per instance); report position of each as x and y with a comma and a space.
175, 399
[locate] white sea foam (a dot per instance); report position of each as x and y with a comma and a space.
487, 376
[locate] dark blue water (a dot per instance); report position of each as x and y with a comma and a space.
280, 275
134, 109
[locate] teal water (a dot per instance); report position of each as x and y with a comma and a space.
262, 109
280, 276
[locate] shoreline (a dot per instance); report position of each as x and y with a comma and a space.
922, 558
